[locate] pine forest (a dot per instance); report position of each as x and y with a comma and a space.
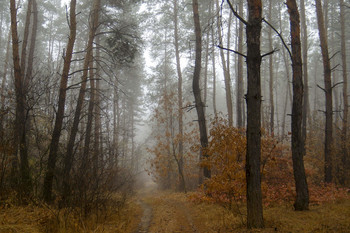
134, 116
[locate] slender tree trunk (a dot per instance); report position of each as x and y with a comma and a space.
182, 186
214, 66
97, 129
28, 76
68, 162
271, 81
328, 93
226, 71
196, 89
205, 94
20, 131
306, 105
47, 189
240, 122
90, 116
253, 99
116, 123
25, 38
344, 136
302, 199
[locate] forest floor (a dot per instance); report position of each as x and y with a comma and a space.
174, 212
157, 212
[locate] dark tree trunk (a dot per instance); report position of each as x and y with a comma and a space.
328, 93
344, 136
253, 99
271, 81
68, 162
196, 89
302, 199
47, 189
20, 131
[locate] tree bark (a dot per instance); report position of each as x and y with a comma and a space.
253, 99
302, 199
68, 162
20, 131
196, 89
182, 185
328, 93
56, 134
344, 136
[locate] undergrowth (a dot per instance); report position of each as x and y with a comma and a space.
117, 216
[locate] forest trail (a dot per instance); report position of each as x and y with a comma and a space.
166, 212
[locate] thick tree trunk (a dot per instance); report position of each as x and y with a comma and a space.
240, 122
344, 136
253, 99
182, 186
302, 199
47, 189
328, 93
20, 131
196, 89
226, 71
68, 162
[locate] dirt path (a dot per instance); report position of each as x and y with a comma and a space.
166, 212
146, 217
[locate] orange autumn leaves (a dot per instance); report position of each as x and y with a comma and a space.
227, 149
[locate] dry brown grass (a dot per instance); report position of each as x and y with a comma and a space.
174, 212
327, 217
34, 219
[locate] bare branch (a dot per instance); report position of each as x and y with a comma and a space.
337, 84
321, 88
236, 14
334, 55
335, 67
280, 36
269, 53
219, 46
